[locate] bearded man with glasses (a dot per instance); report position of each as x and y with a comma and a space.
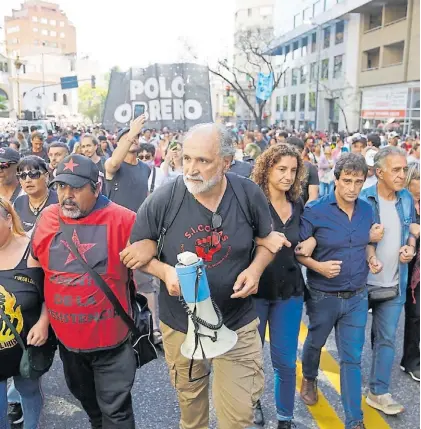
211, 222
10, 188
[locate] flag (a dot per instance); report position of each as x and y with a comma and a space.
264, 86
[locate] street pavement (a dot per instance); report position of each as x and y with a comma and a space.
156, 406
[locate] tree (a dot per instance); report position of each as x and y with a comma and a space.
91, 101
251, 48
231, 104
3, 103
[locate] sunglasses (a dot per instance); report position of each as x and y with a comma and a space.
216, 223
35, 174
5, 165
145, 157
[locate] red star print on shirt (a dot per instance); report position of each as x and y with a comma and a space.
70, 165
82, 248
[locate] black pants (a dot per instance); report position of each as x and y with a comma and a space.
411, 348
102, 382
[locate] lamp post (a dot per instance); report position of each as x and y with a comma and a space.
18, 64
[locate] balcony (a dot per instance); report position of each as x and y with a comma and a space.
393, 54
371, 59
393, 33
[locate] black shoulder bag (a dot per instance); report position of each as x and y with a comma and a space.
141, 325
35, 361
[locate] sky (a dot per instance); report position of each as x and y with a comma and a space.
131, 33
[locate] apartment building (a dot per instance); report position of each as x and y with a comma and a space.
347, 64
4, 83
389, 65
39, 26
316, 52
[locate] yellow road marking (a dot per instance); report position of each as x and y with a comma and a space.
323, 413
330, 368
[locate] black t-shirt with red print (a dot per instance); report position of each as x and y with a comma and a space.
225, 258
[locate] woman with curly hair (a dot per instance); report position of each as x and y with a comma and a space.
279, 171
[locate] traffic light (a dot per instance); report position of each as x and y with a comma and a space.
228, 89
93, 81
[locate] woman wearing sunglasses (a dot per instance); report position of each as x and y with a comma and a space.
21, 282
279, 171
33, 176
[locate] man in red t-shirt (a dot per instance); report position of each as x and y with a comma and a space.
98, 359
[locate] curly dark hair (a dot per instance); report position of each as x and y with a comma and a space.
271, 157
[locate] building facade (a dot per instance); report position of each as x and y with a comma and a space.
389, 65
39, 26
347, 65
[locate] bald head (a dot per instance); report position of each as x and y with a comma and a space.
221, 136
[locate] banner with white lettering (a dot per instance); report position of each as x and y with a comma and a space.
176, 96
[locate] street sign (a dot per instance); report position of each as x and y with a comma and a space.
69, 82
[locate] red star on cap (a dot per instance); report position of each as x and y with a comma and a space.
82, 248
70, 165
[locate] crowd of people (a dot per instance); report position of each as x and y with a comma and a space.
281, 219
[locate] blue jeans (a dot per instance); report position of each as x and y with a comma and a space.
32, 401
13, 396
284, 317
325, 188
348, 317
385, 324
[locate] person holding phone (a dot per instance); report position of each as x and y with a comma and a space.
127, 177
173, 163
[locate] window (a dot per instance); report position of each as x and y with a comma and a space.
337, 66
325, 69
1, 67
44, 21
278, 103
313, 72
285, 78
307, 15
313, 43
14, 29
23, 68
61, 24
339, 32
326, 37
14, 41
393, 54
302, 102
287, 53
297, 20
249, 12
293, 102
53, 22
303, 74
64, 99
53, 34
35, 30
285, 103
294, 77
55, 96
34, 19
371, 59
295, 50
304, 46
62, 35
317, 7
44, 32
374, 19
312, 101
6, 67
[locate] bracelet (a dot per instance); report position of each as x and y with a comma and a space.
369, 259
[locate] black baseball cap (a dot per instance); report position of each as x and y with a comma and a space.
102, 138
76, 171
7, 154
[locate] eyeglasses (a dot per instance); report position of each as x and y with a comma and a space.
216, 223
5, 165
34, 174
145, 157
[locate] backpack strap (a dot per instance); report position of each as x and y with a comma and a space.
242, 198
153, 179
178, 192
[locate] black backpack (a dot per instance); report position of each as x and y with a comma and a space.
178, 192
